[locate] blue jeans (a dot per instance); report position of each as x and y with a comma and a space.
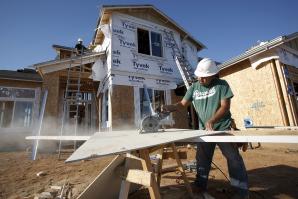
236, 167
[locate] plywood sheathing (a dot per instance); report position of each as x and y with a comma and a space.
51, 83
122, 106
254, 94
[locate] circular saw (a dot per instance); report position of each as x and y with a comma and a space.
151, 123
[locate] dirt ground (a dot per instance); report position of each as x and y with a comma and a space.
272, 171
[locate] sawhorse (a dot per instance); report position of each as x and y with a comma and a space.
146, 176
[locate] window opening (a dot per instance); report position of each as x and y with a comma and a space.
143, 42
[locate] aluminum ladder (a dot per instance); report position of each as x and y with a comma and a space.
72, 98
185, 69
183, 65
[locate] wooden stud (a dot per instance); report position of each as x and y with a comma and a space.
279, 94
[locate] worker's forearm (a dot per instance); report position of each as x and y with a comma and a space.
174, 107
219, 114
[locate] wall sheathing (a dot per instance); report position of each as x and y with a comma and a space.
122, 99
51, 83
255, 94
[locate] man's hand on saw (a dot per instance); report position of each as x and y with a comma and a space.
168, 108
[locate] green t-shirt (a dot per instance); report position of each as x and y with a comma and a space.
207, 99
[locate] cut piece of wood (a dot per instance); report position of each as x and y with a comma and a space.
118, 142
245, 138
274, 127
139, 177
108, 183
275, 131
65, 137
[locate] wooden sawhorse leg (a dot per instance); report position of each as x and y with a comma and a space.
143, 176
147, 166
179, 166
146, 176
182, 171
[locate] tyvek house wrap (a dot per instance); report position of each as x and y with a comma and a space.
128, 67
100, 68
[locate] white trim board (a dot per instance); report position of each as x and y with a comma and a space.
249, 138
219, 138
58, 138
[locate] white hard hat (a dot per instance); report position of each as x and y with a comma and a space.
206, 67
79, 39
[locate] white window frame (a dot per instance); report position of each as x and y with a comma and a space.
150, 48
16, 99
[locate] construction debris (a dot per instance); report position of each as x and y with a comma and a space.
41, 173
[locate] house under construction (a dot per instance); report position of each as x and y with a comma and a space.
136, 45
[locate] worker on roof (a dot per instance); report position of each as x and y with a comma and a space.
80, 48
211, 97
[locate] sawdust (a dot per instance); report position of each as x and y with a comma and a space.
272, 170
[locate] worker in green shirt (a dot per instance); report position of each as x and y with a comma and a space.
211, 97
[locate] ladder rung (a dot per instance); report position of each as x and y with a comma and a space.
74, 85
74, 100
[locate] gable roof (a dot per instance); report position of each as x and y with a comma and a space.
259, 49
107, 9
60, 64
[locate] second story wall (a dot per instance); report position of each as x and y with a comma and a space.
140, 47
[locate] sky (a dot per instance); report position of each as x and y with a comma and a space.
29, 28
